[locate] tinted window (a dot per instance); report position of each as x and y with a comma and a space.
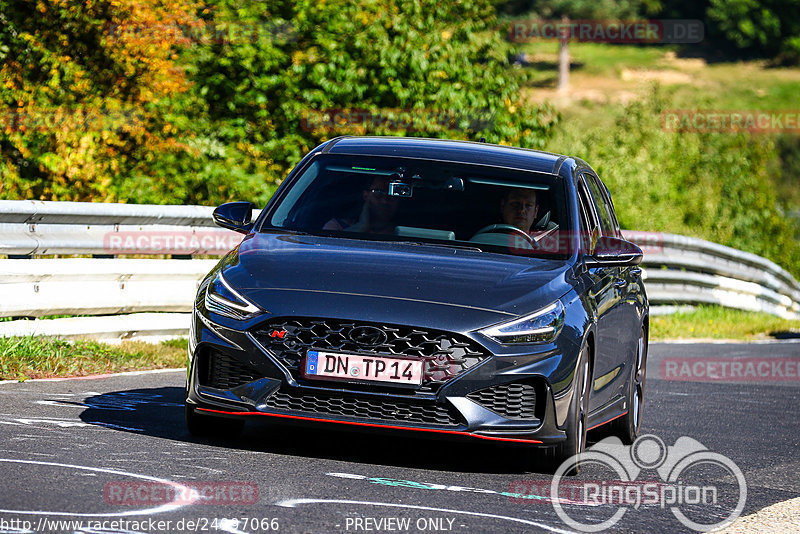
610, 206
588, 215
608, 224
379, 198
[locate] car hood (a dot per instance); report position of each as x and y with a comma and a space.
298, 274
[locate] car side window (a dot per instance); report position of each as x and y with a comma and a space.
610, 206
588, 215
607, 224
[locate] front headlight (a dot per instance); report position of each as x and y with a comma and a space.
221, 298
542, 326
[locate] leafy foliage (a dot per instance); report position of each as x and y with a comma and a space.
202, 103
768, 27
280, 62
73, 92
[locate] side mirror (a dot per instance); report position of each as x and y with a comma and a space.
613, 251
235, 216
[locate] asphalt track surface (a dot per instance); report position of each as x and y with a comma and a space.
80, 450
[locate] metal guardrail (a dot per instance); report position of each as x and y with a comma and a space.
688, 270
88, 213
89, 286
35, 227
679, 270
151, 327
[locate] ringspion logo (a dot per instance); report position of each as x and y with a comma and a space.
703, 489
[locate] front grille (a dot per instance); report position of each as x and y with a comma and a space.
513, 401
352, 406
225, 372
446, 355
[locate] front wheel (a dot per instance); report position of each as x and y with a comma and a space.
628, 426
210, 426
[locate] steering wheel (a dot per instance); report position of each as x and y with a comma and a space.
506, 229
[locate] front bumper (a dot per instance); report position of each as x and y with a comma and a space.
503, 397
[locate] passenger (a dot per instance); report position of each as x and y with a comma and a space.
377, 213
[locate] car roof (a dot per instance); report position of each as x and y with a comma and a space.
480, 153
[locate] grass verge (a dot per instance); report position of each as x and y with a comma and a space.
22, 358
716, 322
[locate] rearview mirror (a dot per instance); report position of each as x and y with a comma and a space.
615, 251
235, 216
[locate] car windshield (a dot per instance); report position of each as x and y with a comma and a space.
442, 203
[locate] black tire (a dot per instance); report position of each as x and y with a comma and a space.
628, 426
577, 417
208, 425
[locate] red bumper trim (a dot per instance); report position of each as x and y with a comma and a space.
604, 422
354, 423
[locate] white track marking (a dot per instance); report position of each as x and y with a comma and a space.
115, 427
66, 423
432, 486
147, 511
291, 503
58, 422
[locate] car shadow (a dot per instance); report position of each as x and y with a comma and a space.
158, 412
785, 334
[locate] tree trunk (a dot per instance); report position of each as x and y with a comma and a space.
563, 58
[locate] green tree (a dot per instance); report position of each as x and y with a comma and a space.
273, 65
766, 27
189, 102
74, 79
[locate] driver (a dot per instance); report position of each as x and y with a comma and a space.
518, 207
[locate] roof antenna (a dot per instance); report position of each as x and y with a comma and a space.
482, 140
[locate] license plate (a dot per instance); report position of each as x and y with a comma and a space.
353, 367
